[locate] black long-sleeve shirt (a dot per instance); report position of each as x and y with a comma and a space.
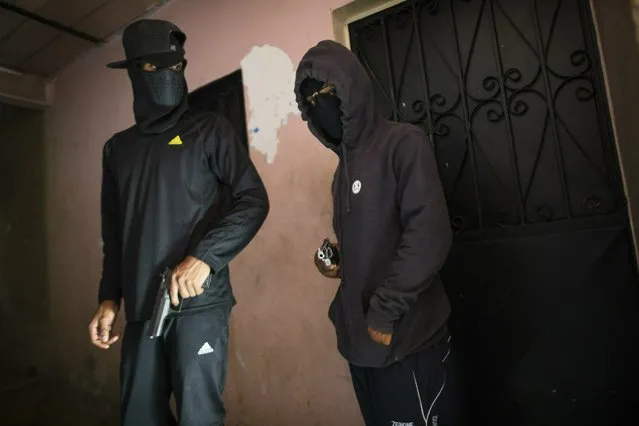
191, 190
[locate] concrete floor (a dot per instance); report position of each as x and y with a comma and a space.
31, 395
30, 399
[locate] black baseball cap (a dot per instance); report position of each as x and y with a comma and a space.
147, 37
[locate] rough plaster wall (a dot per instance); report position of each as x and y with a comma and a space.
620, 57
284, 366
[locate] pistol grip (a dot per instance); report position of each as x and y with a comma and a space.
207, 281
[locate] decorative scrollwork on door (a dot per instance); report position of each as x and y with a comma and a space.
511, 94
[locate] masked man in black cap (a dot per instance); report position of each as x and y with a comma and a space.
391, 221
179, 191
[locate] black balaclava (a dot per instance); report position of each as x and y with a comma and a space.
324, 109
160, 96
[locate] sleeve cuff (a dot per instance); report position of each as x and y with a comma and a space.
113, 298
378, 321
209, 260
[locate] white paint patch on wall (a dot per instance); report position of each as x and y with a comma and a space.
269, 76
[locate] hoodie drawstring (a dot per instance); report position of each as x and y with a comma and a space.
348, 179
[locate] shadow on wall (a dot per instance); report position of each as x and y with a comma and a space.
23, 287
23, 284
31, 394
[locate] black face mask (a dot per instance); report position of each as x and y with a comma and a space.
159, 97
324, 109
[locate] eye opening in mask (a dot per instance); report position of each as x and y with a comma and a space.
152, 67
326, 90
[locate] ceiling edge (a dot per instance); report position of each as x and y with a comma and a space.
110, 38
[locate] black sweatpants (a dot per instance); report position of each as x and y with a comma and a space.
190, 361
419, 390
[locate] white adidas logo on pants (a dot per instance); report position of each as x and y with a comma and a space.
205, 349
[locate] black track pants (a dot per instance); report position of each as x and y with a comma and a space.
419, 390
190, 361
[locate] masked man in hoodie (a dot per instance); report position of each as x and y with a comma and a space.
179, 191
393, 236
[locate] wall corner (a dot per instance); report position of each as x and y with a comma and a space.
355, 11
634, 4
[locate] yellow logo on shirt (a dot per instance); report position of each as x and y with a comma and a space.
176, 141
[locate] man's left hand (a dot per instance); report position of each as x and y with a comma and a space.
379, 337
188, 278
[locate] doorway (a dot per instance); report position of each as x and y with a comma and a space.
542, 274
224, 96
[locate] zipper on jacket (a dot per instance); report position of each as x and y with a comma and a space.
340, 190
340, 217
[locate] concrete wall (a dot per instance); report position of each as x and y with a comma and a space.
284, 366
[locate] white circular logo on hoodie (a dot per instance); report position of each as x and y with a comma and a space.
357, 186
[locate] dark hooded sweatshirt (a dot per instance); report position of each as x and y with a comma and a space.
389, 215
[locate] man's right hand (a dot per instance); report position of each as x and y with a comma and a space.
102, 323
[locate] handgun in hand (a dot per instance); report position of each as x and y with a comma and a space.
327, 260
163, 307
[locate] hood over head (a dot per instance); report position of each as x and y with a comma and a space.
334, 65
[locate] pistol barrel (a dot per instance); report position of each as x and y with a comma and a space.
160, 308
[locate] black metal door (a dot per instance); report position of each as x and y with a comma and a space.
224, 96
512, 95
